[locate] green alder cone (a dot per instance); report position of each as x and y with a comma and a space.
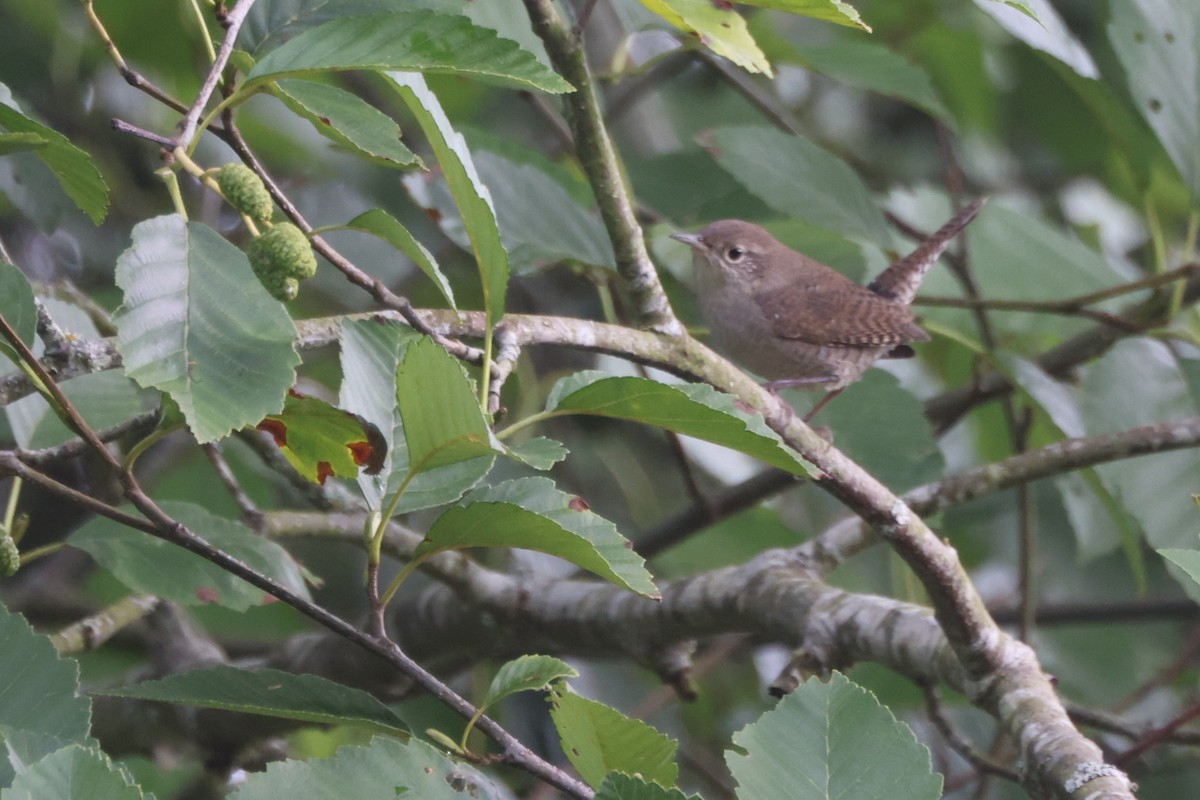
284, 250
245, 191
10, 559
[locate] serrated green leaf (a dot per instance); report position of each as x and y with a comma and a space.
382, 224
197, 324
474, 201
349, 120
1157, 44
526, 674
73, 168
800, 180
40, 706
619, 786
828, 10
443, 424
320, 440
147, 564
18, 308
269, 692
717, 26
691, 409
1042, 30
73, 773
811, 747
21, 142
530, 513
598, 740
540, 453
370, 353
386, 768
419, 40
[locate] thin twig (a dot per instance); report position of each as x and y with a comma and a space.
120, 126
933, 707
233, 23
252, 515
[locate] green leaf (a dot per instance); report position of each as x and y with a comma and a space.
320, 440
418, 40
409, 770
814, 745
197, 324
618, 786
74, 773
21, 142
74, 168
370, 352
148, 564
526, 674
472, 197
828, 10
883, 428
103, 399
382, 224
540, 452
442, 421
691, 409
598, 740
1157, 44
1042, 30
271, 693
349, 120
872, 66
530, 513
40, 706
1186, 560
800, 180
540, 223
17, 307
717, 26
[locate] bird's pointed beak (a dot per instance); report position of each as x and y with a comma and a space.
690, 239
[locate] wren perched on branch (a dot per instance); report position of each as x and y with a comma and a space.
797, 322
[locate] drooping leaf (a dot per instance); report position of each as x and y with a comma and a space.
349, 120
370, 353
41, 709
800, 180
320, 440
197, 324
419, 40
530, 513
74, 168
1036, 23
74, 773
1157, 44
474, 201
147, 564
691, 409
717, 26
812, 746
443, 424
17, 307
269, 692
526, 674
382, 224
619, 786
599, 740
385, 768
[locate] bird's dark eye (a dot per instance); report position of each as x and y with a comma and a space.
735, 254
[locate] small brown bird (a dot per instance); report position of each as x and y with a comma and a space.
798, 322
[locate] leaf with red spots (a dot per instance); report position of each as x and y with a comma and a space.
320, 440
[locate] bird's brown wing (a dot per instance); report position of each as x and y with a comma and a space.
845, 315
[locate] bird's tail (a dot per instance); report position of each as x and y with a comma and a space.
900, 281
